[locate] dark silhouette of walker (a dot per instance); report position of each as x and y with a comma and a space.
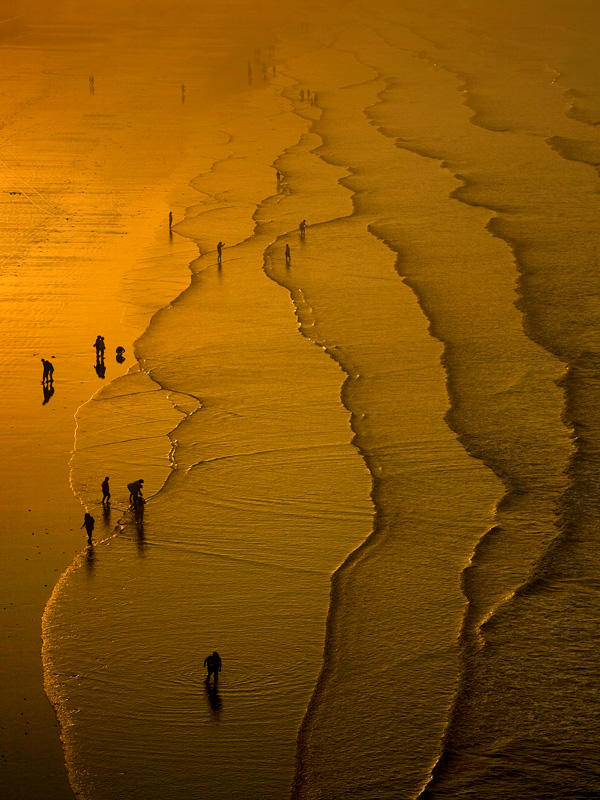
220, 247
100, 348
213, 665
302, 227
135, 490
88, 524
288, 255
47, 376
105, 491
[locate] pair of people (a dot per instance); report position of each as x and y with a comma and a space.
213, 665
47, 376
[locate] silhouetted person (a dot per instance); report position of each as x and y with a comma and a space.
48, 390
220, 247
170, 220
135, 490
302, 95
100, 368
308, 94
213, 665
91, 84
100, 347
48, 373
88, 524
105, 491
288, 255
120, 357
278, 177
302, 227
183, 93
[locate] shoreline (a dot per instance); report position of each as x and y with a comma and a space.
56, 306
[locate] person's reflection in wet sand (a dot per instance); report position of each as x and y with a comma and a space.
48, 390
100, 368
214, 699
140, 539
106, 513
89, 559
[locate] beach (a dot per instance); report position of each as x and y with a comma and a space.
369, 463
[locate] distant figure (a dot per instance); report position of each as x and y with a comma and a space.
302, 227
213, 665
220, 247
183, 93
120, 357
288, 255
170, 220
48, 373
100, 347
135, 490
274, 70
302, 95
91, 84
308, 94
278, 177
105, 491
88, 524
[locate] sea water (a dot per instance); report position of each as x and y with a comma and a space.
371, 471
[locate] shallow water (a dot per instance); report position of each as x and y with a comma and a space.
408, 406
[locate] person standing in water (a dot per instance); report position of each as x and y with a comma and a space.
105, 491
220, 247
213, 665
302, 227
288, 255
88, 524
135, 490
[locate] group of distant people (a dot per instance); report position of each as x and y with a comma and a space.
99, 346
309, 96
212, 662
136, 501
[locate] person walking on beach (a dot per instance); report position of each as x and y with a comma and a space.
213, 665
48, 371
278, 178
288, 255
170, 220
105, 491
302, 227
220, 247
88, 524
135, 490
100, 347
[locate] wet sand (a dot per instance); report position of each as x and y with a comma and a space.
87, 187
